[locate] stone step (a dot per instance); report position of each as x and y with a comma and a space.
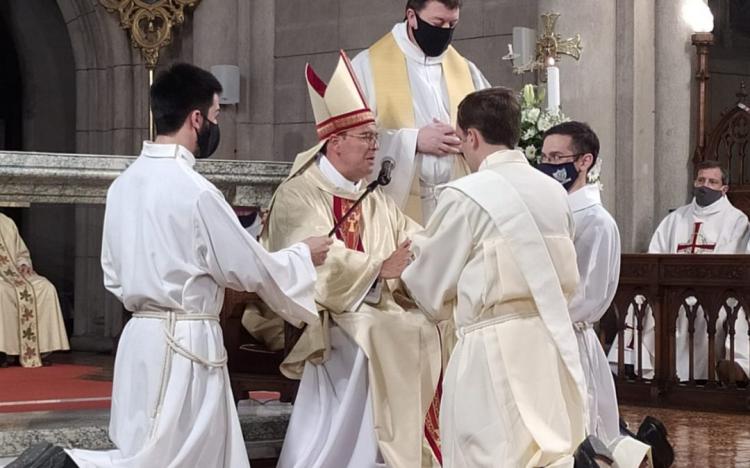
263, 427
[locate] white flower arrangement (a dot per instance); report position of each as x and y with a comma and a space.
535, 120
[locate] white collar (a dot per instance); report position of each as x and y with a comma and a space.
716, 207
411, 50
335, 177
503, 156
585, 197
160, 150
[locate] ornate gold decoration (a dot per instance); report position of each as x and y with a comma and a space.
150, 22
549, 47
551, 44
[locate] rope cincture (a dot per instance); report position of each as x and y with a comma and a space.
171, 317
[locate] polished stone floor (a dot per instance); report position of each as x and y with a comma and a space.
700, 439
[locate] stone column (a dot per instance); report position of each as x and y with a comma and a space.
255, 116
674, 84
634, 177
588, 86
215, 42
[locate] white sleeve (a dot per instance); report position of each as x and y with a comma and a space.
740, 235
109, 264
285, 280
480, 82
598, 257
399, 143
660, 240
441, 252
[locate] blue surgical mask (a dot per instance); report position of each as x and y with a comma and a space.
565, 173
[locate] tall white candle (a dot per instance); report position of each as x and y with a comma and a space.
553, 89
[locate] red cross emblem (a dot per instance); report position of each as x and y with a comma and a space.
694, 243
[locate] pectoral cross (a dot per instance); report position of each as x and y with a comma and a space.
352, 223
693, 244
551, 44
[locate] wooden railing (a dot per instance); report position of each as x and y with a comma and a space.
653, 291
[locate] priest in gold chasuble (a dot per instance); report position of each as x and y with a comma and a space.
370, 368
30, 315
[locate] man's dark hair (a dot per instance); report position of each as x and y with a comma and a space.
583, 139
495, 113
418, 5
177, 92
712, 164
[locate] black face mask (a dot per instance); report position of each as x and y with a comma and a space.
431, 39
705, 196
208, 139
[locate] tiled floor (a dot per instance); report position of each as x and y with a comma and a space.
700, 439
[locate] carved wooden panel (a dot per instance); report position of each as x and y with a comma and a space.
671, 307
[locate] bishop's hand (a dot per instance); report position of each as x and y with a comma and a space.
394, 265
319, 247
438, 138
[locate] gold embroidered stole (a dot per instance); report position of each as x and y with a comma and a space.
28, 332
394, 101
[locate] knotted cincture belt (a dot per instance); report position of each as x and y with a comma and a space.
171, 317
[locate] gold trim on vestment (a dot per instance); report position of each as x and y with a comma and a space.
395, 103
28, 327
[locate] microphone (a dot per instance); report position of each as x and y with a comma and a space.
384, 178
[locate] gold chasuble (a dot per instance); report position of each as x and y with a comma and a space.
394, 102
28, 330
401, 344
30, 317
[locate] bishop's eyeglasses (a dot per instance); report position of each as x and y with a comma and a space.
369, 138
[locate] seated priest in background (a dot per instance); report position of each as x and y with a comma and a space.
498, 253
32, 323
709, 224
570, 150
370, 367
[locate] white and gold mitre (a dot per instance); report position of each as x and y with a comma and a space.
340, 105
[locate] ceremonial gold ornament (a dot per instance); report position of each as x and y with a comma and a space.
550, 46
150, 24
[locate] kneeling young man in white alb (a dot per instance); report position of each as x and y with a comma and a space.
570, 150
498, 252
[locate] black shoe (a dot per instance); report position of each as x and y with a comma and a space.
653, 433
3, 360
624, 429
43, 455
592, 453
